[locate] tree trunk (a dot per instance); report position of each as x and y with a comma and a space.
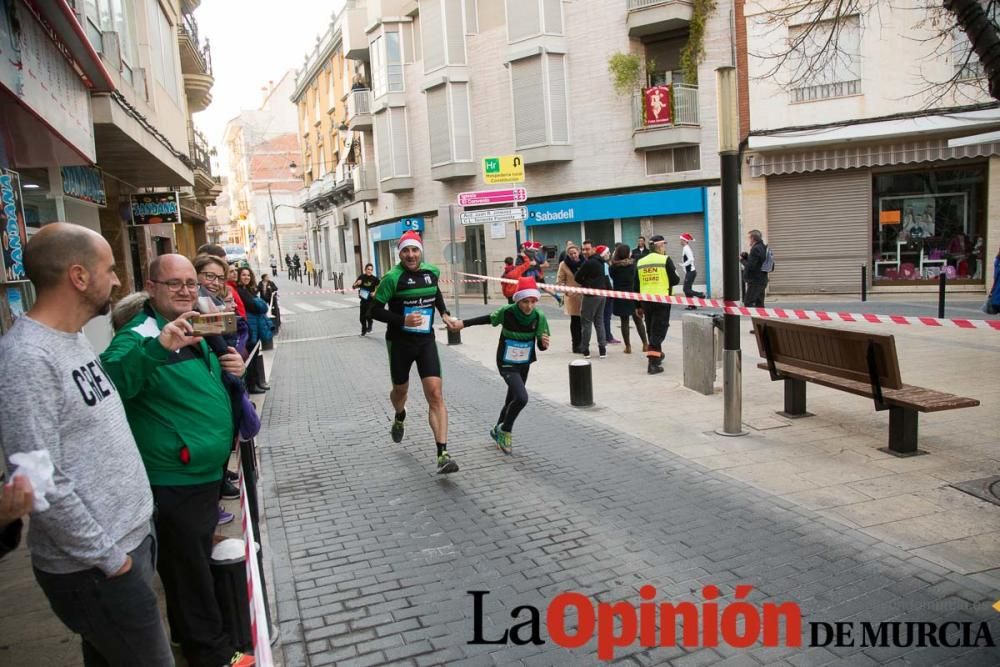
983, 36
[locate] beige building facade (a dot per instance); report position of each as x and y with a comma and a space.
867, 168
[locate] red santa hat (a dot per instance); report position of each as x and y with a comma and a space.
410, 239
601, 249
531, 245
687, 237
526, 288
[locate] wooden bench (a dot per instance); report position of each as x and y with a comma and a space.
853, 361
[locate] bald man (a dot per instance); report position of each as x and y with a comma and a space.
92, 550
179, 412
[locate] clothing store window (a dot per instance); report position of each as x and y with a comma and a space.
929, 222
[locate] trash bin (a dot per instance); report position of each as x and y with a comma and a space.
702, 351
229, 571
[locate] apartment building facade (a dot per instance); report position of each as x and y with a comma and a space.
867, 166
96, 101
262, 184
434, 87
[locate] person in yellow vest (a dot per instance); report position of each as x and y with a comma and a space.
657, 275
309, 270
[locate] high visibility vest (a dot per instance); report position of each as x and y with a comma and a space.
653, 277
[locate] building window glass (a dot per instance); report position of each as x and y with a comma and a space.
540, 98
671, 160
929, 222
387, 64
164, 49
531, 18
822, 72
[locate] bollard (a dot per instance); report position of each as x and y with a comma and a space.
581, 384
941, 279
454, 337
864, 282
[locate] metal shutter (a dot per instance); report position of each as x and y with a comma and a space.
400, 145
431, 34
462, 128
671, 227
383, 145
523, 19
529, 102
553, 16
819, 228
437, 120
454, 30
557, 91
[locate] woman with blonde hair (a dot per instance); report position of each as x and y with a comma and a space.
572, 301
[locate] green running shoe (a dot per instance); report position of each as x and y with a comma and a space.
445, 464
398, 428
503, 441
494, 432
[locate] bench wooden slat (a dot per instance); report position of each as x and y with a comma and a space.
908, 396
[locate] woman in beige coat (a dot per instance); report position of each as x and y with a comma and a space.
571, 301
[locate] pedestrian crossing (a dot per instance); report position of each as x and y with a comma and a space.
293, 307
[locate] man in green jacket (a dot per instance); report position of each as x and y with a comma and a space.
180, 415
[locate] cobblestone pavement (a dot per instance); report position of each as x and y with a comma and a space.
373, 553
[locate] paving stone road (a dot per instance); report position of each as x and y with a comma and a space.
374, 553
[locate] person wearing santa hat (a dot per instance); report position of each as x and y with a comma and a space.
690, 272
522, 328
405, 300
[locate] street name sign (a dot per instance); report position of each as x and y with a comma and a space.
489, 216
485, 197
503, 169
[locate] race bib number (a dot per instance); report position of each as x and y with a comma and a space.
517, 351
364, 294
426, 319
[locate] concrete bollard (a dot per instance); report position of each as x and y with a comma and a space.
581, 384
454, 337
700, 353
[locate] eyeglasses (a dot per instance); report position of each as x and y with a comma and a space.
176, 285
211, 277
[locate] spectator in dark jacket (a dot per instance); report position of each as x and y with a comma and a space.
246, 287
625, 280
592, 275
641, 250
753, 274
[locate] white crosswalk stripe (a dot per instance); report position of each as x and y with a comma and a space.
335, 304
306, 307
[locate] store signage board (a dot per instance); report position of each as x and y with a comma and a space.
490, 216
154, 208
85, 184
503, 169
487, 197
12, 231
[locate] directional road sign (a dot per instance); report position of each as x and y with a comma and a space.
484, 197
503, 169
488, 216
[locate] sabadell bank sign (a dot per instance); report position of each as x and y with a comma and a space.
634, 205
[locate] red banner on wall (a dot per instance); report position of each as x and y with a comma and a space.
656, 102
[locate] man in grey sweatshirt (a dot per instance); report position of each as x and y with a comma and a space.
92, 550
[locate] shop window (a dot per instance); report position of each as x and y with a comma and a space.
930, 222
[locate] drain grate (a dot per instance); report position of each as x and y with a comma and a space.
987, 488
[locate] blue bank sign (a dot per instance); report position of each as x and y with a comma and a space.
394, 230
637, 205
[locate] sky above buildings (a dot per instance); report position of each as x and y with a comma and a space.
253, 42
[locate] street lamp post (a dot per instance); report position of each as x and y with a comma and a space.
274, 222
729, 159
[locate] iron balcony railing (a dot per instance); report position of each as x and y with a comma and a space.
190, 26
201, 154
643, 4
359, 102
683, 108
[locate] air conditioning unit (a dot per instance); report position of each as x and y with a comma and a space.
111, 50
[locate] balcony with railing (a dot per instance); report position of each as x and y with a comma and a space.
649, 17
196, 64
665, 116
359, 109
207, 186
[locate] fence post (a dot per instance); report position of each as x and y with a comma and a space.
864, 282
941, 280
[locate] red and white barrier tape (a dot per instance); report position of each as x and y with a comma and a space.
317, 291
255, 591
734, 308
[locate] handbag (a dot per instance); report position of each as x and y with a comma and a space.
988, 306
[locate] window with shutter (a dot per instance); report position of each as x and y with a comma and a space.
553, 17
523, 20
462, 125
378, 67
454, 31
529, 102
431, 31
437, 119
383, 145
558, 102
394, 62
400, 145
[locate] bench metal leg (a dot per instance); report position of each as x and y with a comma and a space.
902, 432
795, 399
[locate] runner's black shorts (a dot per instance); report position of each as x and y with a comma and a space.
422, 350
